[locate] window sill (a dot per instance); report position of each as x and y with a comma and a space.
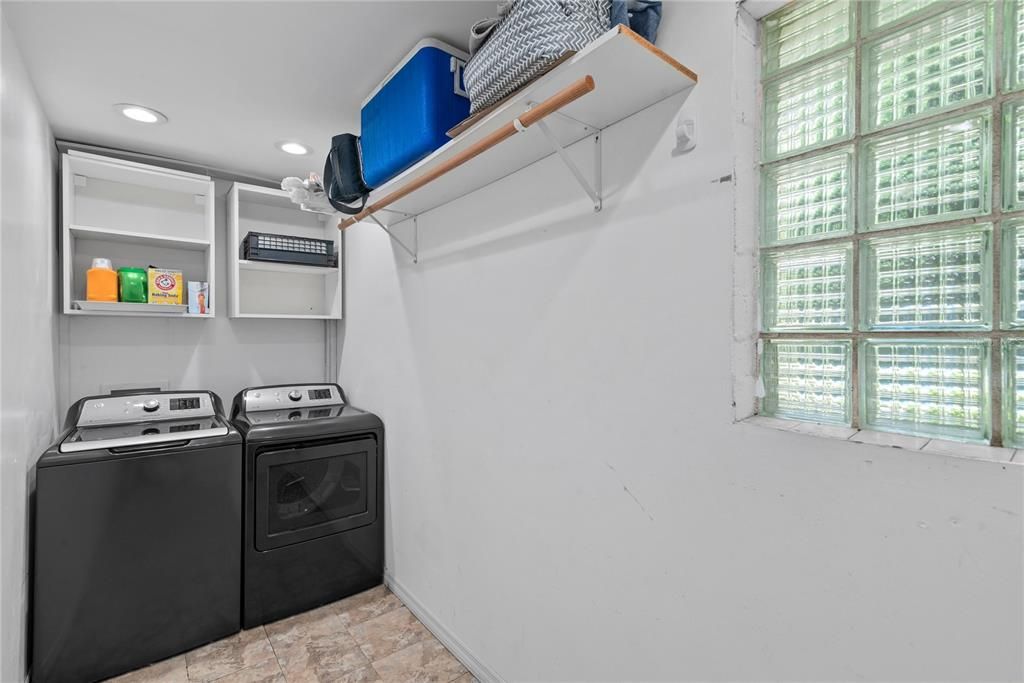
911, 443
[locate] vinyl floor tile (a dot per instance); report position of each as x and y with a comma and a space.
367, 605
243, 650
425, 662
388, 633
366, 638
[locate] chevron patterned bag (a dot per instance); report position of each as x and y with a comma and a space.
532, 36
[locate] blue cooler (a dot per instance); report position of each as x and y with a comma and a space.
408, 114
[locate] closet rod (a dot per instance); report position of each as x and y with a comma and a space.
570, 93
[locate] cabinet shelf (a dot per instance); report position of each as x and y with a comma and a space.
614, 77
272, 267
135, 215
264, 289
127, 237
122, 308
285, 316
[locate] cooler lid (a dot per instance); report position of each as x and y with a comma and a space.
461, 55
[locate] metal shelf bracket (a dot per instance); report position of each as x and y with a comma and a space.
592, 188
414, 250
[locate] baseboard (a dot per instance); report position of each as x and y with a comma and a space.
479, 670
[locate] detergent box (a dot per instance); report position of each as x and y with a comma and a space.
165, 286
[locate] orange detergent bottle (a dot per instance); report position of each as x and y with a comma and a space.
101, 281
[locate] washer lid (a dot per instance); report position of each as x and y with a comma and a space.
106, 437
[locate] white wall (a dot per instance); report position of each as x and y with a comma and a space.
568, 494
222, 354
27, 331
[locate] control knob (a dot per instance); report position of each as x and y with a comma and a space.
151, 405
295, 394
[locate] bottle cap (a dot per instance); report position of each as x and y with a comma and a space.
102, 263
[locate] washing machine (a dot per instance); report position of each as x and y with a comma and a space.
136, 520
313, 516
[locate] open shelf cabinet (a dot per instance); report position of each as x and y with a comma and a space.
136, 215
260, 289
614, 77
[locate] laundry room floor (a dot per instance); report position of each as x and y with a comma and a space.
371, 636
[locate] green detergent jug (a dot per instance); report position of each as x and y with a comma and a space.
133, 285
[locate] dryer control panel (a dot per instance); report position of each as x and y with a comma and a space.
109, 410
298, 395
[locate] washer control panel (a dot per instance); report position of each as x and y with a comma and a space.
145, 408
301, 395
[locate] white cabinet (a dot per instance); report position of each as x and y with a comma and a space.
260, 289
136, 215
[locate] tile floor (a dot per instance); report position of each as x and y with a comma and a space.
371, 636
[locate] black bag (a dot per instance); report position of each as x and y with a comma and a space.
343, 175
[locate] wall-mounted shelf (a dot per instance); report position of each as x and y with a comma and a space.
262, 289
130, 309
611, 79
136, 215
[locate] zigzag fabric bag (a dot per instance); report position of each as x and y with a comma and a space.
532, 36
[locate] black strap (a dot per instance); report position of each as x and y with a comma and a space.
332, 181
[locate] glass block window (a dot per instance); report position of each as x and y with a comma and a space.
1013, 392
891, 279
808, 289
881, 13
1013, 155
804, 30
809, 109
1013, 44
807, 380
1013, 273
926, 387
942, 62
928, 280
937, 171
809, 199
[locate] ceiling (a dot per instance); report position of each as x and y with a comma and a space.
233, 78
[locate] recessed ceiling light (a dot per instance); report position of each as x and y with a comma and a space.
295, 148
137, 112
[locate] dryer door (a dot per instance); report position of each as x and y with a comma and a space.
308, 492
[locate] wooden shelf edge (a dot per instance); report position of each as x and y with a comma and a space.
569, 93
657, 52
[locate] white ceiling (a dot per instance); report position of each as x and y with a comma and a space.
234, 78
